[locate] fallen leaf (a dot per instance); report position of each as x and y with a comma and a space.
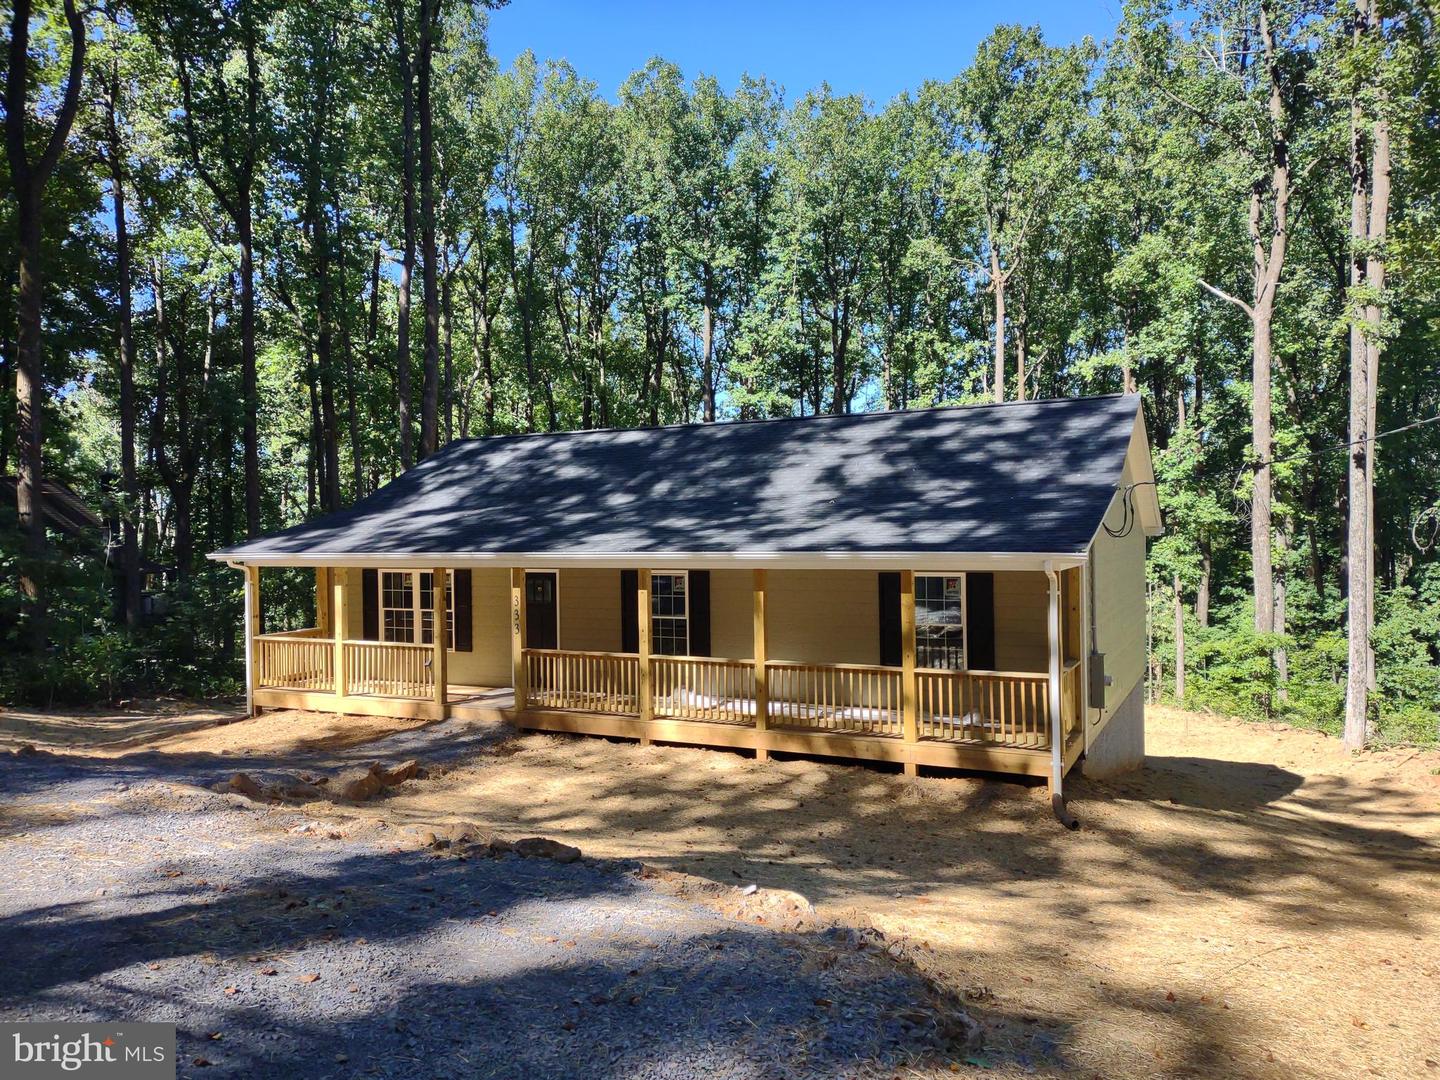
153, 967
268, 971
310, 978
232, 989
213, 1036
200, 1061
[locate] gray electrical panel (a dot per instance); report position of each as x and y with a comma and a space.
1098, 680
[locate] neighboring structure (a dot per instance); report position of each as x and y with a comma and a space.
918, 587
65, 512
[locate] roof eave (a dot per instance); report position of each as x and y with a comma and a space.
696, 560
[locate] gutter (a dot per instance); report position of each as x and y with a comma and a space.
696, 560
1057, 745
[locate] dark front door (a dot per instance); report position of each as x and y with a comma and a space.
541, 614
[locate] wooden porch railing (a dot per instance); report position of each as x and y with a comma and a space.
704, 688
295, 660
1071, 691
855, 698
598, 682
1004, 708
996, 708
390, 669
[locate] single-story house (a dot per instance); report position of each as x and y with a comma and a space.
952, 587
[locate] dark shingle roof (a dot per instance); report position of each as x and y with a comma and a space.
1023, 477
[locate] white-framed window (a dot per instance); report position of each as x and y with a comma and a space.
670, 614
940, 621
407, 602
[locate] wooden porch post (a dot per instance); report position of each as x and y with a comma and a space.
338, 622
252, 627
441, 655
642, 641
1057, 734
517, 636
762, 681
909, 699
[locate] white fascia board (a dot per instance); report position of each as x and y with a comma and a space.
694, 560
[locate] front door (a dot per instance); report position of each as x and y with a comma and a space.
542, 621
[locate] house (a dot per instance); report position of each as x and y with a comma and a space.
954, 587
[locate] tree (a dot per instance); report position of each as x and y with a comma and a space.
224, 132
28, 179
1013, 120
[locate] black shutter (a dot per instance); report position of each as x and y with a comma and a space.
699, 612
890, 647
464, 623
980, 621
370, 605
629, 611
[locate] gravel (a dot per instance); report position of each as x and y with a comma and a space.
282, 945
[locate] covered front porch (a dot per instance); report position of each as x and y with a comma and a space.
926, 704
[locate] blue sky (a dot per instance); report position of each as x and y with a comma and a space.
877, 49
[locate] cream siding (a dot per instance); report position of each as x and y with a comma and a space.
732, 614
821, 616
1118, 566
1022, 611
488, 661
590, 610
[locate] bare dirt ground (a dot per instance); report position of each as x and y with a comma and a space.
1257, 902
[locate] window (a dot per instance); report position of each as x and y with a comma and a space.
940, 621
397, 606
427, 609
669, 614
406, 601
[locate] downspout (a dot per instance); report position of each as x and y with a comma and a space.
249, 643
1057, 744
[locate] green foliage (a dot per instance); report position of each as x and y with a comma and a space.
692, 251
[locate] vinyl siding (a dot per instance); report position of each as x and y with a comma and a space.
590, 610
1118, 564
1022, 612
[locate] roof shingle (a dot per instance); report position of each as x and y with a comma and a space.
1021, 477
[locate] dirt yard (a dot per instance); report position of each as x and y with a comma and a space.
1257, 902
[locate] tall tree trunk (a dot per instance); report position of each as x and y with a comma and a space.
235, 199
1269, 263
447, 312
430, 387
1020, 372
407, 266
28, 181
997, 282
319, 222
1179, 606
707, 342
1202, 591
129, 482
1375, 344
1357, 537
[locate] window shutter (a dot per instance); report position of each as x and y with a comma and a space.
629, 611
980, 621
699, 609
890, 645
464, 622
370, 604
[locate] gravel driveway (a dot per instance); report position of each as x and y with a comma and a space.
284, 947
